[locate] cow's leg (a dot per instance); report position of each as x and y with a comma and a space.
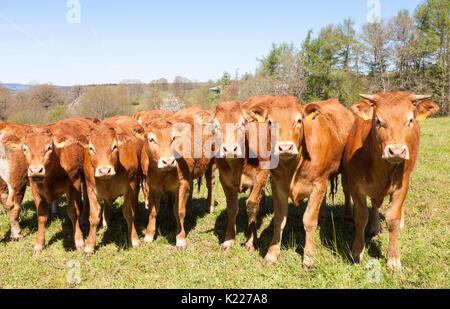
210, 181
253, 208
106, 214
73, 211
180, 212
94, 220
348, 201
310, 221
154, 203
323, 212
128, 209
360, 214
170, 203
42, 216
231, 195
375, 226
12, 207
280, 212
54, 210
85, 212
136, 199
394, 220
189, 201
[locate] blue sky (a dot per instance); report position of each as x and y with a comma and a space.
146, 40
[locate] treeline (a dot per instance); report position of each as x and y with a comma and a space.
408, 52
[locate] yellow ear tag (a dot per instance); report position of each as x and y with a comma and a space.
422, 117
14, 145
60, 145
139, 135
365, 117
309, 117
205, 123
259, 118
179, 134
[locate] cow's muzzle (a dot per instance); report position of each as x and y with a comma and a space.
231, 151
286, 150
167, 163
105, 172
396, 153
36, 173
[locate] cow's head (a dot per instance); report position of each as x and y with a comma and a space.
38, 146
395, 118
159, 144
102, 149
229, 123
287, 115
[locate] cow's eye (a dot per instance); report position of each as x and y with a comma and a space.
25, 150
114, 147
152, 141
410, 123
91, 149
379, 124
49, 148
270, 122
299, 121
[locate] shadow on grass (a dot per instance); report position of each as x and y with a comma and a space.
242, 219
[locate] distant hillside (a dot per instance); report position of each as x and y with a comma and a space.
16, 87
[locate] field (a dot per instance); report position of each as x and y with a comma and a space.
424, 244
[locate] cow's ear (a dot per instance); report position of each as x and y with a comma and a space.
425, 109
311, 111
12, 141
363, 109
63, 142
139, 133
83, 142
256, 115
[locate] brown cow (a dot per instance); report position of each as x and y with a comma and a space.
238, 171
13, 175
111, 168
172, 168
309, 146
54, 168
380, 155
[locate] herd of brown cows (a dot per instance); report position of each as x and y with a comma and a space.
301, 148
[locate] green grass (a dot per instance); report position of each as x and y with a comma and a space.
424, 244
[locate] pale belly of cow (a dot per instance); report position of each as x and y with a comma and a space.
4, 166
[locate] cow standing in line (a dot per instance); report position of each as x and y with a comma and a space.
380, 155
309, 146
239, 170
111, 168
54, 167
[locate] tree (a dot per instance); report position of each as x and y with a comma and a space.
104, 102
6, 100
154, 101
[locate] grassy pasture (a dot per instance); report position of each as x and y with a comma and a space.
424, 243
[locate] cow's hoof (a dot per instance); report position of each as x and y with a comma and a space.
16, 237
88, 251
394, 265
250, 247
227, 245
135, 243
37, 250
181, 245
148, 239
307, 263
269, 260
211, 211
79, 245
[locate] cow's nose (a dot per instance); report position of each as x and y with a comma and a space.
104, 171
231, 150
36, 171
396, 152
167, 162
287, 149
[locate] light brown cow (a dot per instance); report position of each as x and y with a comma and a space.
13, 175
111, 168
54, 168
380, 155
309, 146
173, 169
238, 170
